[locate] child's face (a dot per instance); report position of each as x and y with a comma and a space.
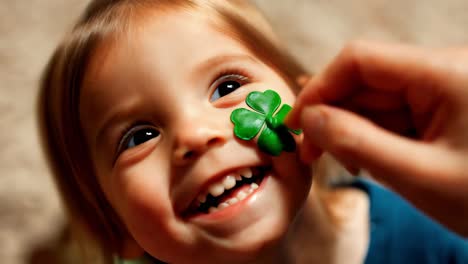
155, 110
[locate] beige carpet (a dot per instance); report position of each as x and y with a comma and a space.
30, 214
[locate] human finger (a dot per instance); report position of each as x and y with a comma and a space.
377, 101
303, 79
309, 152
358, 141
370, 66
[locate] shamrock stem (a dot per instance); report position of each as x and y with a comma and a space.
273, 122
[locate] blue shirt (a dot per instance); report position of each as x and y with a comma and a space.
402, 234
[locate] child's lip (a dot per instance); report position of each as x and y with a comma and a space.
216, 178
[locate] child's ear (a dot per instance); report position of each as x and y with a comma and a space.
130, 249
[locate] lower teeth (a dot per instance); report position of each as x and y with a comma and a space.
241, 195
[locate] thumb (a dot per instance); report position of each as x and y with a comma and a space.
358, 142
426, 173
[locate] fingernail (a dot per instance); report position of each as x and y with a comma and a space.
313, 123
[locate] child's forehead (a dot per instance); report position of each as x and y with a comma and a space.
174, 24
184, 29
175, 37
170, 48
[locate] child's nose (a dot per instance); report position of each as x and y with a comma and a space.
195, 138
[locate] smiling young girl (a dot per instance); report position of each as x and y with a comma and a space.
135, 113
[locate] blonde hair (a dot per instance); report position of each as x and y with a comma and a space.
88, 210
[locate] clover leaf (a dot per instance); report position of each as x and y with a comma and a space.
275, 137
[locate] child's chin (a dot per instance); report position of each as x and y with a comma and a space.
252, 245
258, 229
252, 231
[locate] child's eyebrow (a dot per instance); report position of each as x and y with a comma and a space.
212, 62
113, 117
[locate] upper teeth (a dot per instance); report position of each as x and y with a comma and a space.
227, 183
247, 173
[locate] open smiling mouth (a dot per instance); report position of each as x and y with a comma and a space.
228, 191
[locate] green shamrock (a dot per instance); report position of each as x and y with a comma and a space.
274, 136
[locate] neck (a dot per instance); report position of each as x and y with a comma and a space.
333, 227
276, 255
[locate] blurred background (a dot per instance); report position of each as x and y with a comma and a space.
32, 224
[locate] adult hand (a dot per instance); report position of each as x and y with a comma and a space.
399, 112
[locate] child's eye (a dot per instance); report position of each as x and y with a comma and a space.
136, 136
141, 136
227, 84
